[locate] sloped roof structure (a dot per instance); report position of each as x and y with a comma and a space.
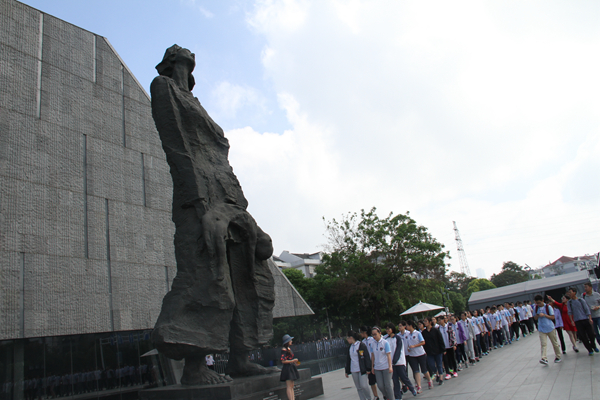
526, 290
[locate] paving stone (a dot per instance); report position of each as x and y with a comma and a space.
512, 372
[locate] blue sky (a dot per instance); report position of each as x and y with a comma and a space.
226, 48
481, 112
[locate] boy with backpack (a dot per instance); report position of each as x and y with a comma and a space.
544, 315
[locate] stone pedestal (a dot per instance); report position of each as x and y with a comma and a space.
265, 387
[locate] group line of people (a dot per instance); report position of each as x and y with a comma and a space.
437, 349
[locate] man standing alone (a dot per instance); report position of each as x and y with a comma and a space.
580, 315
593, 301
544, 314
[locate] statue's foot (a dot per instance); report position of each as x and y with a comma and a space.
240, 366
195, 372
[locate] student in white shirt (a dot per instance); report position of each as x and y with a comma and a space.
490, 322
382, 363
530, 320
415, 355
497, 321
516, 318
449, 336
469, 348
505, 317
368, 340
522, 318
484, 332
476, 335
398, 362
358, 364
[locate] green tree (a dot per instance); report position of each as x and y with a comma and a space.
377, 267
308, 327
477, 285
511, 273
458, 282
457, 302
296, 278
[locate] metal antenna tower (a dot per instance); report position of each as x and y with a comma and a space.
464, 265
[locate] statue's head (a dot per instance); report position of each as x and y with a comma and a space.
176, 55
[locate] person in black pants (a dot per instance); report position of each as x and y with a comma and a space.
398, 362
580, 314
367, 339
449, 337
516, 322
434, 347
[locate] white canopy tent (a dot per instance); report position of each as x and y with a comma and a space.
421, 307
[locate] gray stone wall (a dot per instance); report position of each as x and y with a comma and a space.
86, 237
85, 192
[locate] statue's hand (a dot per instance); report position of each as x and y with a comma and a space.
264, 245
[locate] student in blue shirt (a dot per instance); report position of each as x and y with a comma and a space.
544, 315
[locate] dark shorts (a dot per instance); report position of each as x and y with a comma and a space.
416, 362
372, 379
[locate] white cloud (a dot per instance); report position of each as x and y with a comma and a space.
478, 112
272, 15
229, 99
196, 5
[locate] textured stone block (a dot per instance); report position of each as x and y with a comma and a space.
69, 48
18, 81
134, 91
19, 27
108, 67
65, 295
11, 238
10, 295
114, 172
139, 123
96, 228
137, 294
65, 99
159, 186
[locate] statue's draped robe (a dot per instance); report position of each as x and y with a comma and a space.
224, 291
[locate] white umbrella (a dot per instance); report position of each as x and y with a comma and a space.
421, 307
440, 313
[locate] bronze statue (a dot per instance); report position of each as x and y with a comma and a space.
222, 297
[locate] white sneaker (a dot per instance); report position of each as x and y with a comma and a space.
575, 349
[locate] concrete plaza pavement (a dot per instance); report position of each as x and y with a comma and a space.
511, 372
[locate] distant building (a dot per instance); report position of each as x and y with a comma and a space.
527, 290
303, 262
567, 265
480, 273
280, 263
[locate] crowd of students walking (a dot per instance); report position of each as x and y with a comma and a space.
437, 349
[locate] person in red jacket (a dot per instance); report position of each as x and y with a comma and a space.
568, 326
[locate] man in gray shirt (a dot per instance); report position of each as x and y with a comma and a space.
580, 315
593, 301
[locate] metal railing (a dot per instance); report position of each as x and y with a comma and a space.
318, 350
